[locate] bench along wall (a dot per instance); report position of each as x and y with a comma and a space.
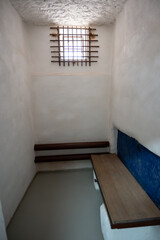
71, 104
16, 128
136, 71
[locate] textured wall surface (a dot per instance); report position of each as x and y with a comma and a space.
16, 128
68, 12
70, 103
136, 85
143, 164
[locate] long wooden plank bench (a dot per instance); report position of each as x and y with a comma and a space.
127, 204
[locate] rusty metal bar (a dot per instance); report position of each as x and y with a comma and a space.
70, 46
93, 29
59, 47
76, 51
73, 61
74, 40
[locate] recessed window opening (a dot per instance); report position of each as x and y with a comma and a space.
74, 45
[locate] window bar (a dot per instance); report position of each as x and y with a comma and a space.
89, 46
77, 57
87, 55
94, 29
63, 49
82, 47
74, 61
75, 34
95, 46
68, 44
85, 49
73, 45
75, 40
59, 47
77, 48
77, 51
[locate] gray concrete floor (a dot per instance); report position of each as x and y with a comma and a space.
60, 205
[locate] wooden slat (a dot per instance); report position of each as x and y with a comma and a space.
77, 145
127, 203
69, 157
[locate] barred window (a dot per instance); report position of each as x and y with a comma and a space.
74, 45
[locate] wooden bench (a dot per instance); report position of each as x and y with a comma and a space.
127, 204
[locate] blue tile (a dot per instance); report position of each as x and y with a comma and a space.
142, 163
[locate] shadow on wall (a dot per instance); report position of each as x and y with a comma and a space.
3, 235
143, 164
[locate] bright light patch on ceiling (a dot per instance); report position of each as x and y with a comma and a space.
68, 12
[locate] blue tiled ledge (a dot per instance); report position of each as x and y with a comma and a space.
142, 163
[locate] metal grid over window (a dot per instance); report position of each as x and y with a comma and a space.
74, 45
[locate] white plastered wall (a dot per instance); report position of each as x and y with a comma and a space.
136, 72
71, 104
16, 124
